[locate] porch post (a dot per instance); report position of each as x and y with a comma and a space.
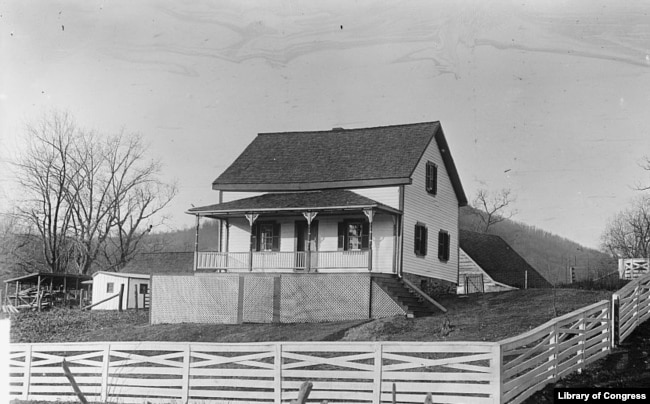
370, 215
196, 244
309, 216
252, 217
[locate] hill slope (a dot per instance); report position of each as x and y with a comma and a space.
551, 255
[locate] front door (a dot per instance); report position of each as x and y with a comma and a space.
301, 245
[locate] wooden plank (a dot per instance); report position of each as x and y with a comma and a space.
378, 365
439, 376
341, 361
419, 398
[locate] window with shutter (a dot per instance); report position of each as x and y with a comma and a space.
420, 239
431, 178
266, 236
443, 245
353, 235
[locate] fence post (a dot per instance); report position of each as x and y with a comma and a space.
27, 375
583, 340
497, 369
615, 319
555, 340
376, 390
277, 377
185, 394
105, 367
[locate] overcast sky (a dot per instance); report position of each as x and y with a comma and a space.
548, 98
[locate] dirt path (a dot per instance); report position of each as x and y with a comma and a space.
627, 366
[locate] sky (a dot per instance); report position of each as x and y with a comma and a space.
549, 99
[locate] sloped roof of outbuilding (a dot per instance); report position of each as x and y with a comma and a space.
340, 158
499, 260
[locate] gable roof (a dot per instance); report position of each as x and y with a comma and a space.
499, 260
122, 275
340, 158
293, 201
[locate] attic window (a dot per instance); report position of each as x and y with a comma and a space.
431, 178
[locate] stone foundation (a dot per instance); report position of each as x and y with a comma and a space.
431, 286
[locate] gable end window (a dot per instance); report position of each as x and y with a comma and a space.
443, 245
353, 235
432, 178
266, 236
421, 239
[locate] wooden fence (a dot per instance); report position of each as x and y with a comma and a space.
508, 371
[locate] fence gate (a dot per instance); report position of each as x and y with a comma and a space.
633, 268
474, 283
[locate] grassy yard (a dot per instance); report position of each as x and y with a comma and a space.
488, 317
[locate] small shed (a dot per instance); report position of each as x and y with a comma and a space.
44, 289
488, 264
136, 289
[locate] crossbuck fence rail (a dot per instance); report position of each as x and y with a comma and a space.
508, 371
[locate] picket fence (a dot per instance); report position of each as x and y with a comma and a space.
508, 371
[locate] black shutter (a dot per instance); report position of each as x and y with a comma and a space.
443, 245
276, 237
434, 179
365, 230
341, 236
418, 240
423, 240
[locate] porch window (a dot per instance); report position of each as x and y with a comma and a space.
267, 236
353, 235
443, 245
431, 178
109, 287
421, 234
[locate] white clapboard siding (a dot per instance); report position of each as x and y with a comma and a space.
436, 212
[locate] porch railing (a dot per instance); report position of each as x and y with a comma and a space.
281, 260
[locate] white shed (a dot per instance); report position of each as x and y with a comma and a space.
107, 284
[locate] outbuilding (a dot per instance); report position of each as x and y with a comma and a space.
107, 286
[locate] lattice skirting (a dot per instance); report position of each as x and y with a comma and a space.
266, 298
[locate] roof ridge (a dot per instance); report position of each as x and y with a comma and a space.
344, 130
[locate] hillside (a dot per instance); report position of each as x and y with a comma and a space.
548, 253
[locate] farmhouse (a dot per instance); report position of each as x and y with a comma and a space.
351, 211
489, 264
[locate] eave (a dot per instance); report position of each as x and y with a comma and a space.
311, 186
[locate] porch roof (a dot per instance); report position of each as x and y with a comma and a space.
314, 201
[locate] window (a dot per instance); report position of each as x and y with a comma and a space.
443, 245
266, 236
420, 239
109, 287
353, 235
144, 288
432, 178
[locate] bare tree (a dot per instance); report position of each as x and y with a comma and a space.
627, 234
104, 185
493, 207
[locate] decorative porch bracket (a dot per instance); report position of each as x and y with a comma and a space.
370, 214
251, 217
310, 217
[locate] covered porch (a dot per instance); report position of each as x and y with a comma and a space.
303, 232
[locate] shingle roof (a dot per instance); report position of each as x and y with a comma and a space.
340, 158
499, 260
161, 262
309, 200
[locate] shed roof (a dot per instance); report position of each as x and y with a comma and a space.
122, 275
55, 278
339, 158
331, 199
499, 260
